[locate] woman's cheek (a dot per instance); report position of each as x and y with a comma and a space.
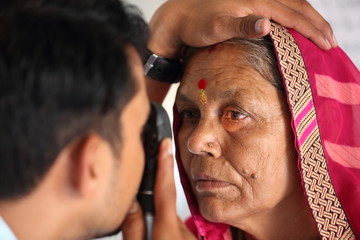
234, 125
182, 145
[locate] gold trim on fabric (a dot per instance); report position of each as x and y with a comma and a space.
325, 206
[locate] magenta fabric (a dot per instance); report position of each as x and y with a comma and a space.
335, 85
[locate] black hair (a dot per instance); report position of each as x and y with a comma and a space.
64, 73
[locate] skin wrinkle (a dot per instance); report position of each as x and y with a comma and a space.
253, 150
220, 174
239, 145
246, 177
217, 72
261, 57
257, 93
228, 94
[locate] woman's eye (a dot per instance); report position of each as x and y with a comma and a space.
234, 115
188, 114
233, 119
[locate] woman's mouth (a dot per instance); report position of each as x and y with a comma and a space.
205, 183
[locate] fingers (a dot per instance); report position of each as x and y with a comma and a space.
206, 22
290, 18
167, 224
307, 10
133, 227
245, 27
296, 14
165, 191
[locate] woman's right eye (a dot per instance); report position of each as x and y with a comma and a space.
188, 115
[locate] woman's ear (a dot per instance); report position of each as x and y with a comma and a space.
89, 162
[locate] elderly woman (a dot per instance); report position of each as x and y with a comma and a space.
269, 154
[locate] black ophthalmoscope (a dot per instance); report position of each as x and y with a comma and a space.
155, 130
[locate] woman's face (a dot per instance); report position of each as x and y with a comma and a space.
237, 148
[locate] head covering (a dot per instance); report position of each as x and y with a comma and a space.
323, 94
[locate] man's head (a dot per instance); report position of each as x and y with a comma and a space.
71, 94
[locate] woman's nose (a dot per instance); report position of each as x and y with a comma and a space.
204, 140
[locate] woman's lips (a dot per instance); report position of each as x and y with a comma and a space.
205, 183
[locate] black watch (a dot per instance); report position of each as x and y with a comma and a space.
162, 69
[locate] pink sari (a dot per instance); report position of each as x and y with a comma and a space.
323, 93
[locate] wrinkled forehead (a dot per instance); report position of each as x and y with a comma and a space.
215, 58
221, 66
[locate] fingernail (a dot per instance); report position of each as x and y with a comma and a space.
134, 208
168, 146
258, 25
327, 43
334, 40
168, 153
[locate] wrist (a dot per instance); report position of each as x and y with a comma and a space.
165, 46
165, 27
160, 68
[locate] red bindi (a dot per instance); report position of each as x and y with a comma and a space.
202, 93
202, 84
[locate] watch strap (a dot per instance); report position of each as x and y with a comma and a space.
162, 69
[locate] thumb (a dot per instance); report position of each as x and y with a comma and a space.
166, 221
246, 27
133, 227
165, 191
167, 224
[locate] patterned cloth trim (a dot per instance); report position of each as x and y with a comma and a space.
325, 206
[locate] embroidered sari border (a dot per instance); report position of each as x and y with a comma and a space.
324, 204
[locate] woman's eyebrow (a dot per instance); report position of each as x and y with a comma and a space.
183, 98
231, 93
226, 94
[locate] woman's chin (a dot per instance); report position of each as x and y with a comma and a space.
216, 210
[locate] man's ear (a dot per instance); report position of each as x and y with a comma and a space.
89, 163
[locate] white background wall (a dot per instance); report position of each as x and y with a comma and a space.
343, 15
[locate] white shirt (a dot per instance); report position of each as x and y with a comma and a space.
5, 231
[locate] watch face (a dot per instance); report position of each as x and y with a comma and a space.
149, 64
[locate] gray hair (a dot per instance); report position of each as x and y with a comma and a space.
260, 54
